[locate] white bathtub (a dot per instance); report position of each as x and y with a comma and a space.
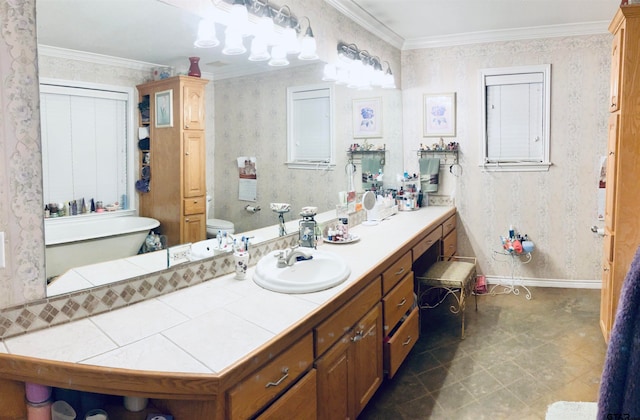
73, 242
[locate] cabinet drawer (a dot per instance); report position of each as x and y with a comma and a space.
195, 205
254, 392
301, 401
392, 275
334, 327
397, 302
450, 244
427, 242
449, 225
398, 347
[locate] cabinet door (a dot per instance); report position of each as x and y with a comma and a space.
335, 390
606, 315
616, 67
367, 357
194, 228
193, 107
193, 146
610, 191
300, 402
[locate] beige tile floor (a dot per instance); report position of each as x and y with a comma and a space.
518, 357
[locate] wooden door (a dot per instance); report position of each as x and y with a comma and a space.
335, 391
194, 164
367, 357
193, 107
194, 228
616, 68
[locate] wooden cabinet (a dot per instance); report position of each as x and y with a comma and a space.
350, 365
176, 158
263, 385
622, 224
299, 402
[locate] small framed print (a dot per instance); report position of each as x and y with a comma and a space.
439, 118
367, 118
164, 109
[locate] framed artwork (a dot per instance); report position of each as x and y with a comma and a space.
439, 119
164, 111
367, 118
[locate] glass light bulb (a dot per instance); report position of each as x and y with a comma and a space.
308, 49
278, 56
206, 34
233, 44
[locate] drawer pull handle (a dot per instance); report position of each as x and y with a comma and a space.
285, 375
358, 336
402, 302
605, 269
400, 271
406, 343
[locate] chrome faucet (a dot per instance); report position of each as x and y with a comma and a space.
287, 258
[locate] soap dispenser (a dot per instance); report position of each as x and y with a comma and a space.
308, 227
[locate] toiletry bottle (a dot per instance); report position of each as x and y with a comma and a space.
512, 234
47, 213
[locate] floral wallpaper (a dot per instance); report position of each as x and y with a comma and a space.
555, 208
251, 120
20, 165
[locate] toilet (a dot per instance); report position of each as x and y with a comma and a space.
215, 225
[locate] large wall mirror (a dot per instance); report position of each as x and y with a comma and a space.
246, 108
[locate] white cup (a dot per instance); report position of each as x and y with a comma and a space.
135, 403
241, 262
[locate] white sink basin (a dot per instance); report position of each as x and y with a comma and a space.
206, 249
323, 271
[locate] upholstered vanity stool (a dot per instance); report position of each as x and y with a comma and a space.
449, 276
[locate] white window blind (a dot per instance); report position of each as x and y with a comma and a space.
84, 144
515, 129
310, 138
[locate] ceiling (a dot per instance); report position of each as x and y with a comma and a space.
154, 31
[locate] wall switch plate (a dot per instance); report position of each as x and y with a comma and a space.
2, 260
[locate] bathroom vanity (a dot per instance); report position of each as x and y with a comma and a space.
316, 355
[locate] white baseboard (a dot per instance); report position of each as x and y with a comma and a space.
535, 282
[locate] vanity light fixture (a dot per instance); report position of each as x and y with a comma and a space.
269, 27
308, 46
389, 82
358, 69
206, 34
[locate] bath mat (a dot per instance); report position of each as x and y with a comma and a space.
570, 410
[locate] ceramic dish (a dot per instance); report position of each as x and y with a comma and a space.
351, 239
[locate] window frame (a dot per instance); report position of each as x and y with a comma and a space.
293, 162
505, 164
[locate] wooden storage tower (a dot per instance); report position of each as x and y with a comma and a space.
622, 210
176, 158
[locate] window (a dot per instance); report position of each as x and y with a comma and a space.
86, 142
310, 142
515, 118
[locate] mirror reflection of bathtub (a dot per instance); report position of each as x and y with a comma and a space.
79, 241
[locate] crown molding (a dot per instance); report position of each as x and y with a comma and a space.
101, 59
551, 31
368, 22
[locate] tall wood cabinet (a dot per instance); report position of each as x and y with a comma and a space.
176, 159
622, 208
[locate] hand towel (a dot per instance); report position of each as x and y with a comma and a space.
620, 384
429, 174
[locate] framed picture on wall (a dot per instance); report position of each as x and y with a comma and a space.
164, 110
367, 118
439, 119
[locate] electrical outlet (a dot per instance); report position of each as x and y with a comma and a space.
178, 254
2, 260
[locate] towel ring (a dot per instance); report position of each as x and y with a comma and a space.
455, 172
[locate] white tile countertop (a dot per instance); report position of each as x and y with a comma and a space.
208, 327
